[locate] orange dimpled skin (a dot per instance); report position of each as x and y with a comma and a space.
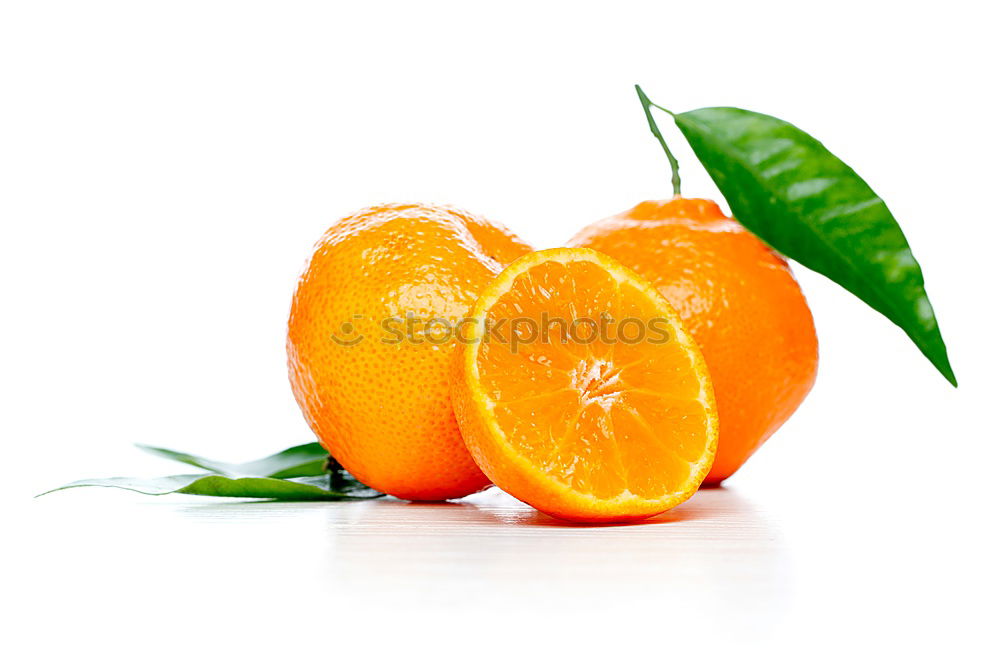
373, 387
739, 300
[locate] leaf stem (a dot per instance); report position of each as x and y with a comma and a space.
331, 466
675, 178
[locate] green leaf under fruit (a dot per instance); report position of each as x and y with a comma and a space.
298, 461
303, 488
788, 189
302, 472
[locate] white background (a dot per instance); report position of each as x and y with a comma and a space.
164, 171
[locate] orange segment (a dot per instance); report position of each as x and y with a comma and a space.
580, 392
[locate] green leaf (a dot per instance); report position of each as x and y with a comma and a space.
787, 188
298, 461
303, 472
303, 488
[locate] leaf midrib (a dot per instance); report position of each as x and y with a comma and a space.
875, 288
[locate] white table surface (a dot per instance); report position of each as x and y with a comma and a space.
155, 581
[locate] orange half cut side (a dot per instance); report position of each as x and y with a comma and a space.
578, 390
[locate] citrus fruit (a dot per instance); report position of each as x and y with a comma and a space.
579, 391
367, 359
739, 300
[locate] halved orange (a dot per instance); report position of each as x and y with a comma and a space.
578, 390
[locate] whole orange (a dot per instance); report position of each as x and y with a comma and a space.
739, 300
368, 366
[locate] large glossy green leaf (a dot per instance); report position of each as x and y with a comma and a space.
303, 488
298, 461
787, 188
